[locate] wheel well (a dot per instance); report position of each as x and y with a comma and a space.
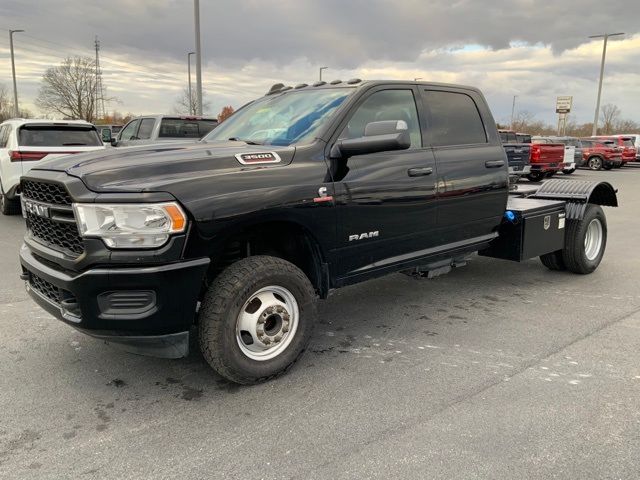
604, 194
285, 240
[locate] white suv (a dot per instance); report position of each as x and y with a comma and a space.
25, 142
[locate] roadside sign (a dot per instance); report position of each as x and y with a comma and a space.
563, 104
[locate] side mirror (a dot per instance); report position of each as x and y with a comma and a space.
114, 142
383, 136
106, 135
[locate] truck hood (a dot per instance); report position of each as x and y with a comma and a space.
154, 167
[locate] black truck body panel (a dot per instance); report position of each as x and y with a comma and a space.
358, 218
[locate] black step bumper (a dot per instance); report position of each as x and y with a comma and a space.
146, 310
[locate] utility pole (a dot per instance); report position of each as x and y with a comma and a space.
196, 12
98, 82
322, 68
604, 54
16, 110
189, 74
513, 110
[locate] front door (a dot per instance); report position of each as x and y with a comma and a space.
386, 201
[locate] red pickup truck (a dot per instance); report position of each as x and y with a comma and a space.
546, 159
599, 154
625, 144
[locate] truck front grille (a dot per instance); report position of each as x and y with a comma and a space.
50, 193
57, 230
45, 288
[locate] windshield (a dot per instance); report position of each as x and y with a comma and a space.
58, 136
293, 117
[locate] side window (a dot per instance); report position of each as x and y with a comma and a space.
129, 132
454, 119
386, 105
146, 127
3, 136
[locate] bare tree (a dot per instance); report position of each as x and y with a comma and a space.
609, 117
188, 106
627, 126
6, 106
70, 89
522, 121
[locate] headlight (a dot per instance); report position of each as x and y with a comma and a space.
139, 225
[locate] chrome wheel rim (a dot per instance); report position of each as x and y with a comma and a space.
267, 323
595, 164
593, 239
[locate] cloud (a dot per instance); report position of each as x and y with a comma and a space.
535, 50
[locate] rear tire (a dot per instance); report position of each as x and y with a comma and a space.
553, 261
569, 172
585, 241
594, 163
8, 206
607, 166
535, 176
247, 297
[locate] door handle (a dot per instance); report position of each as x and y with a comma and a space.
420, 171
494, 164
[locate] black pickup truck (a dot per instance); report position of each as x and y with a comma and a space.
305, 190
518, 154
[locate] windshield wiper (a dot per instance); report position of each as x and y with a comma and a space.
248, 142
71, 144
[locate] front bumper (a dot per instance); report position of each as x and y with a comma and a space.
146, 310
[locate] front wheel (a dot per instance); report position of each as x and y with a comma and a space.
585, 241
256, 319
594, 163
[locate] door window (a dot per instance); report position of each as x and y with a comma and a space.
146, 127
129, 132
4, 136
386, 105
454, 119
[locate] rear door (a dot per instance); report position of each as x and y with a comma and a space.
472, 172
386, 200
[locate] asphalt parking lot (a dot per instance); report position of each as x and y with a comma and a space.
497, 370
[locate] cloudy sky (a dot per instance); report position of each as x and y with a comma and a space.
535, 49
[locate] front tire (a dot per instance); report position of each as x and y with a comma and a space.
594, 163
585, 241
256, 319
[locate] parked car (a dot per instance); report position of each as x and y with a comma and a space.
163, 128
626, 146
349, 182
635, 137
599, 154
547, 158
517, 155
568, 165
23, 143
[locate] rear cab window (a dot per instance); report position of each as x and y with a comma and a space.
185, 127
453, 119
58, 136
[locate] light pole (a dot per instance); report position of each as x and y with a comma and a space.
196, 14
322, 68
604, 54
189, 74
513, 110
16, 110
